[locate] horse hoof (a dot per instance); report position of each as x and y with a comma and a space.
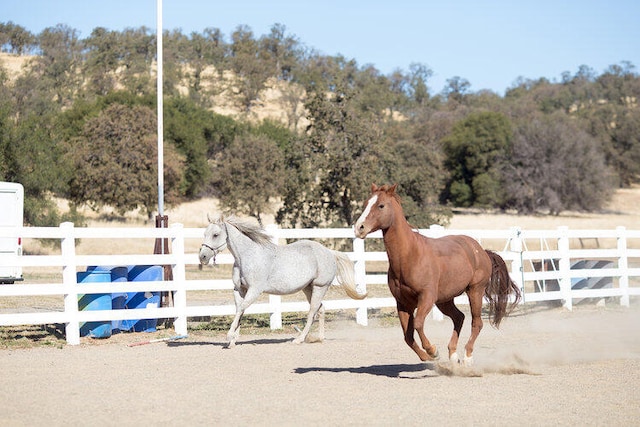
454, 358
297, 341
467, 361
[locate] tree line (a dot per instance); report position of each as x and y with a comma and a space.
79, 122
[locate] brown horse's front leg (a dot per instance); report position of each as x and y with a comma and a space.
424, 307
406, 321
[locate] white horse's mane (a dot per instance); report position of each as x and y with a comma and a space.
253, 231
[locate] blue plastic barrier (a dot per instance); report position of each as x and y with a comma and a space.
143, 273
120, 300
94, 302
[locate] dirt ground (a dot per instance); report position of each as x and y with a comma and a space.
544, 366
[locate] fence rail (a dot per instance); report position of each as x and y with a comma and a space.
544, 264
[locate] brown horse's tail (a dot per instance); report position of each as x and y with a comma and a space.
346, 276
498, 290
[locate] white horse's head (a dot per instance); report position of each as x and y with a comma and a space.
215, 240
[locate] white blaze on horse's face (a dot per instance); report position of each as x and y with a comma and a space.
360, 229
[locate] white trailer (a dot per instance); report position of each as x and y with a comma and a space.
11, 215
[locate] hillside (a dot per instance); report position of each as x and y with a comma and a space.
13, 64
272, 102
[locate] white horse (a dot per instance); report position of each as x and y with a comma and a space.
263, 266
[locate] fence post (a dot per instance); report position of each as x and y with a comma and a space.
179, 278
70, 282
517, 273
565, 267
275, 301
361, 279
623, 265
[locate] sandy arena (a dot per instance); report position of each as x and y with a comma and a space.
544, 366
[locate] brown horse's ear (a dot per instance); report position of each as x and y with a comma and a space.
374, 188
392, 189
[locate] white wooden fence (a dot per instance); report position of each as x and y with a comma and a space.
523, 250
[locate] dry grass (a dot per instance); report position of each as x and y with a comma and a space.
622, 210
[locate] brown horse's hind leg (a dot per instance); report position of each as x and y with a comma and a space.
475, 295
449, 309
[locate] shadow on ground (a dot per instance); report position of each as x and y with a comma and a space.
390, 371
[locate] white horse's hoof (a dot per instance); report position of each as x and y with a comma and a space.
467, 361
297, 340
454, 358
231, 340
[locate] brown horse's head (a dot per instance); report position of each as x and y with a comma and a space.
379, 212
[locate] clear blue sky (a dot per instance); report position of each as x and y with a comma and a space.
489, 43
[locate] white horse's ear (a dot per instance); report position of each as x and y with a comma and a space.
221, 219
209, 218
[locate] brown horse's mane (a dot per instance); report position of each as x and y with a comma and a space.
395, 195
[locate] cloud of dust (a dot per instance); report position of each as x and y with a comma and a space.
553, 338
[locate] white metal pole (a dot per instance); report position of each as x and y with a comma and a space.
160, 109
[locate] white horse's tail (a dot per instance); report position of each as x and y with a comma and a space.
346, 275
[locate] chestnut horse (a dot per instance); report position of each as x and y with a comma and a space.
424, 271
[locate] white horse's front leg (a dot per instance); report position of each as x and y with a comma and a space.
242, 303
239, 294
234, 330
